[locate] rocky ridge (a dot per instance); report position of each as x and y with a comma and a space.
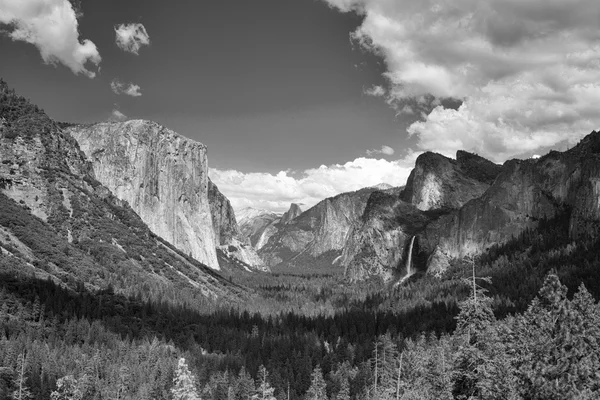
61, 223
164, 177
320, 230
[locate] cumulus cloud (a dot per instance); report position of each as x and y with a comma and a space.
387, 150
131, 37
526, 71
375, 91
129, 89
275, 192
51, 26
117, 116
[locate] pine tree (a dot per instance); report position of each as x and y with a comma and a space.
344, 393
22, 391
316, 391
67, 388
264, 391
184, 387
244, 386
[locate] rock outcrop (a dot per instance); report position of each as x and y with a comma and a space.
69, 227
438, 182
290, 214
257, 226
525, 192
321, 229
378, 243
162, 175
227, 232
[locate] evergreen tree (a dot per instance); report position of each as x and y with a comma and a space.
21, 391
244, 386
184, 387
264, 391
67, 388
317, 389
344, 393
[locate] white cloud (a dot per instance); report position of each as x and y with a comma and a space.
129, 89
275, 192
50, 25
387, 150
131, 37
527, 71
117, 116
375, 91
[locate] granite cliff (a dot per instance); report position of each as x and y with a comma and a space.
319, 231
229, 239
460, 207
523, 193
164, 178
60, 223
162, 175
379, 242
257, 226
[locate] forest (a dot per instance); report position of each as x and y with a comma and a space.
521, 334
520, 321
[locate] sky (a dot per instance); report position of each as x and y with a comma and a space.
298, 100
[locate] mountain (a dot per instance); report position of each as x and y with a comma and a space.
164, 177
380, 242
454, 208
60, 223
320, 231
229, 240
290, 214
439, 182
257, 226
525, 192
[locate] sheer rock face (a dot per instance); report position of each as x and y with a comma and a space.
163, 176
377, 244
98, 237
290, 214
524, 192
223, 216
321, 229
439, 182
227, 232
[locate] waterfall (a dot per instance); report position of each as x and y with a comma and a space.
409, 271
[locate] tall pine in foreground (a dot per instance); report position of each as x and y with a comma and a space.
316, 391
184, 387
264, 391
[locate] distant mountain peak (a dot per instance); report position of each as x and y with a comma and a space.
292, 213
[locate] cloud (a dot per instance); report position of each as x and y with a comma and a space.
129, 89
526, 71
387, 150
51, 26
117, 116
131, 37
375, 91
275, 192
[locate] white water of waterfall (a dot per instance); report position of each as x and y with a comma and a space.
409, 270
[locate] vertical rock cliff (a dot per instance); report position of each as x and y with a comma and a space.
290, 214
64, 225
322, 229
162, 175
523, 193
229, 239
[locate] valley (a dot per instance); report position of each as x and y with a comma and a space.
119, 257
